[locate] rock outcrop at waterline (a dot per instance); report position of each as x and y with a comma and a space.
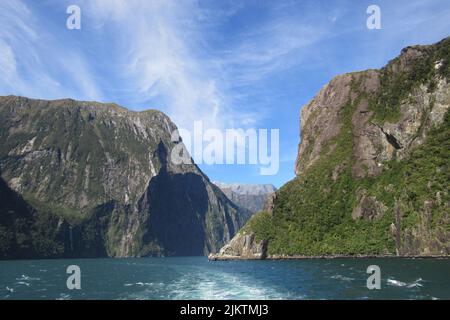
372, 167
244, 247
85, 179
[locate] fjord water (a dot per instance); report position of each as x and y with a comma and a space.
197, 278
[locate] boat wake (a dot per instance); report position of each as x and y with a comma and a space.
205, 285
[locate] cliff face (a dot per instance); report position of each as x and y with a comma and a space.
88, 179
373, 165
249, 196
387, 123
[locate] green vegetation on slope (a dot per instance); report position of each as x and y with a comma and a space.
397, 84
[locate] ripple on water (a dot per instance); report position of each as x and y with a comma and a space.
64, 296
27, 278
342, 278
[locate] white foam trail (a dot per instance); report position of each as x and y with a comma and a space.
26, 278
141, 284
396, 283
341, 277
206, 285
64, 296
414, 284
24, 283
223, 286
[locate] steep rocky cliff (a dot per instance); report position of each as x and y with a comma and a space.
84, 179
248, 196
373, 166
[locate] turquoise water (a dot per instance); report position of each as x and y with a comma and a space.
197, 278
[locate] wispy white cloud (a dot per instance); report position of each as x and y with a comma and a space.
33, 60
8, 66
273, 48
158, 56
164, 56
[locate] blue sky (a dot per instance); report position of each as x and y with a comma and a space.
230, 64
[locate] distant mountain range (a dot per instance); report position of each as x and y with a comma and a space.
249, 196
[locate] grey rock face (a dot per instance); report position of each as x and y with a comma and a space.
374, 141
368, 207
242, 246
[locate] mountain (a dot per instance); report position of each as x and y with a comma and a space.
249, 196
85, 179
372, 168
